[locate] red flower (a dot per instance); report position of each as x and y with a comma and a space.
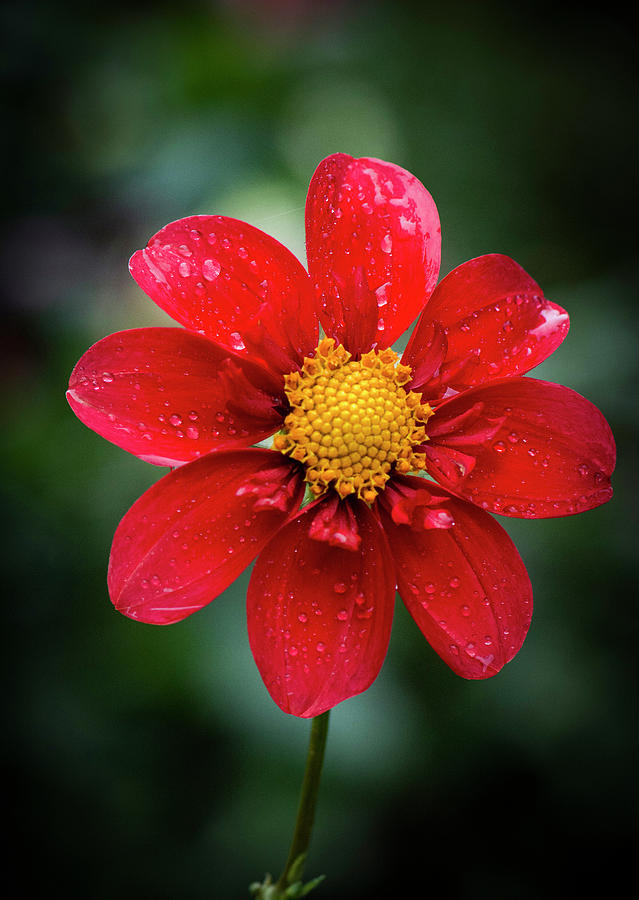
351, 423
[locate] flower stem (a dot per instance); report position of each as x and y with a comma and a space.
308, 799
289, 885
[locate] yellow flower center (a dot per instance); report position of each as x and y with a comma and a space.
351, 422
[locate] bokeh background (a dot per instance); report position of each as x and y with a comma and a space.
150, 762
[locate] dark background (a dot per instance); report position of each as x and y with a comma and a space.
150, 762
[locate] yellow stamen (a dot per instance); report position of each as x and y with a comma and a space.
352, 423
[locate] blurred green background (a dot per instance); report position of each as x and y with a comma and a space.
150, 762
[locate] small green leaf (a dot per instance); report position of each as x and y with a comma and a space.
308, 887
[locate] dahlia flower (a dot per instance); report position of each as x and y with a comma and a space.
382, 473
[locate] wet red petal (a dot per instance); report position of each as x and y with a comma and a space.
537, 449
169, 396
426, 358
465, 586
233, 283
336, 523
493, 313
191, 534
320, 616
373, 242
418, 504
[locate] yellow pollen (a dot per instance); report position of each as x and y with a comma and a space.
352, 423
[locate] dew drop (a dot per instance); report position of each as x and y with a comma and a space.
211, 268
365, 613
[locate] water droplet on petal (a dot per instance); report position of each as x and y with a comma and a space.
211, 268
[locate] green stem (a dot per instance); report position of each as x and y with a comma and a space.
308, 800
289, 884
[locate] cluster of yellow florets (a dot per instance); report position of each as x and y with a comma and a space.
351, 421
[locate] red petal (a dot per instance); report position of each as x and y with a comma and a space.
418, 504
465, 586
320, 616
493, 313
336, 523
191, 534
233, 283
373, 244
539, 449
169, 396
